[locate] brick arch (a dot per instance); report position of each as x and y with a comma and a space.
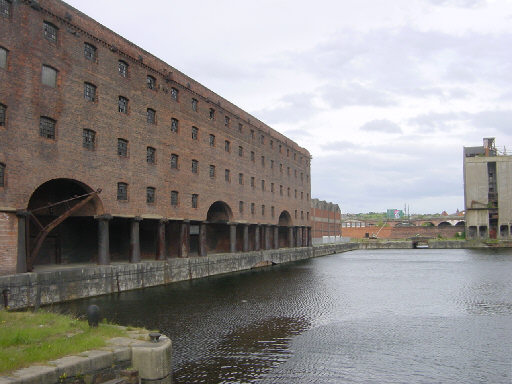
219, 212
285, 219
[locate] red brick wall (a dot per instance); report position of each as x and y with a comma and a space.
325, 223
402, 232
8, 242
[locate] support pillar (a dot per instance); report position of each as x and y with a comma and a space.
257, 238
232, 237
245, 247
103, 239
202, 239
304, 237
298, 237
161, 252
184, 245
310, 240
267, 237
290, 237
21, 262
276, 237
135, 240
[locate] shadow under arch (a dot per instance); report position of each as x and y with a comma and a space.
219, 212
444, 224
285, 232
217, 228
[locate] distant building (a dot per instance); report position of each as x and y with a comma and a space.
487, 191
325, 220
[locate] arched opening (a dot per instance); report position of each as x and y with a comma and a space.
217, 231
427, 224
61, 227
444, 224
284, 223
461, 223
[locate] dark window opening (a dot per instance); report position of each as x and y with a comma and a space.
212, 140
90, 51
150, 155
3, 57
226, 175
226, 121
241, 206
47, 127
3, 115
151, 116
194, 105
262, 210
122, 147
212, 171
240, 178
89, 92
195, 132
174, 125
2, 175
89, 139
122, 104
5, 8
150, 195
151, 82
240, 151
122, 191
195, 199
49, 76
174, 161
212, 114
195, 166
240, 127
252, 208
123, 68
252, 181
227, 146
174, 198
50, 31
174, 94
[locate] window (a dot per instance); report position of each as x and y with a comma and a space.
271, 143
174, 125
252, 208
241, 206
122, 191
212, 114
288, 192
49, 76
227, 146
281, 190
50, 31
195, 132
287, 152
195, 166
122, 67
288, 171
212, 140
195, 199
240, 127
226, 121
307, 215
272, 187
3, 57
151, 116
47, 127
294, 156
194, 105
307, 196
5, 8
302, 215
150, 195
90, 52
2, 175
240, 151
262, 161
252, 133
252, 181
252, 155
262, 210
302, 195
89, 92
122, 104
240, 178
301, 177
150, 155
226, 175
280, 148
151, 82
272, 211
174, 94
271, 164
122, 147
263, 185
3, 110
281, 167
174, 198
88, 138
295, 193
212, 171
174, 161
295, 213
262, 139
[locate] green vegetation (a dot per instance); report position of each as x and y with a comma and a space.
27, 338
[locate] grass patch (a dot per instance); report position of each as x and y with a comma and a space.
27, 338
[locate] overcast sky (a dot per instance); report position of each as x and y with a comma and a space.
384, 94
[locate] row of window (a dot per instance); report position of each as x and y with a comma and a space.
2, 175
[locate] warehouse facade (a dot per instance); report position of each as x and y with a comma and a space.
109, 154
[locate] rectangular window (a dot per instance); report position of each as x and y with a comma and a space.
174, 125
295, 193
271, 164
271, 144
226, 175
295, 173
212, 140
281, 190
89, 92
226, 121
122, 104
195, 132
288, 192
272, 211
288, 171
90, 52
262, 161
50, 31
295, 213
302, 195
262, 210
122, 191
150, 155
122, 67
241, 206
122, 147
240, 178
194, 105
174, 198
252, 133
174, 161
195, 166
240, 151
240, 127
3, 57
151, 82
212, 171
294, 156
262, 139
302, 215
174, 94
3, 113
150, 195
280, 148
2, 175
263, 185
47, 127
212, 114
252, 181
281, 168
287, 152
88, 139
151, 116
5, 8
307, 215
227, 146
252, 208
252, 155
195, 199
272, 187
49, 76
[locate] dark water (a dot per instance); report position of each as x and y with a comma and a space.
390, 316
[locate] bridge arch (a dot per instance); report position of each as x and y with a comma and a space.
444, 224
461, 223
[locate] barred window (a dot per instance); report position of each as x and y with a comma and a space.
271, 164
122, 191
262, 139
212, 140
272, 187
151, 116
226, 121
195, 198
294, 156
226, 175
281, 190
151, 82
295, 193
150, 195
50, 31
295, 213
307, 196
195, 166
302, 195
122, 104
281, 167
3, 113
262, 161
287, 152
122, 147
252, 133
174, 125
252, 155
240, 151
90, 51
122, 67
302, 215
3, 57
280, 148
89, 92
241, 206
227, 146
271, 143
212, 171
174, 94
240, 178
5, 8
194, 105
272, 211
240, 127
2, 175
174, 198
295, 173
252, 181
288, 171
252, 208
150, 155
88, 138
307, 216
195, 132
174, 161
288, 191
49, 76
262, 210
212, 114
262, 185
47, 127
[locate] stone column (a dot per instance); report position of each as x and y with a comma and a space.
21, 262
304, 237
257, 238
184, 245
246, 237
103, 239
135, 240
232, 237
267, 237
161, 251
310, 240
290, 237
276, 237
202, 239
298, 237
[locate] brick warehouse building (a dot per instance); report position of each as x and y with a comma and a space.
325, 219
109, 154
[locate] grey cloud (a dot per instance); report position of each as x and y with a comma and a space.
338, 146
355, 94
384, 126
297, 107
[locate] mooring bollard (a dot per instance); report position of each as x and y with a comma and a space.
93, 315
